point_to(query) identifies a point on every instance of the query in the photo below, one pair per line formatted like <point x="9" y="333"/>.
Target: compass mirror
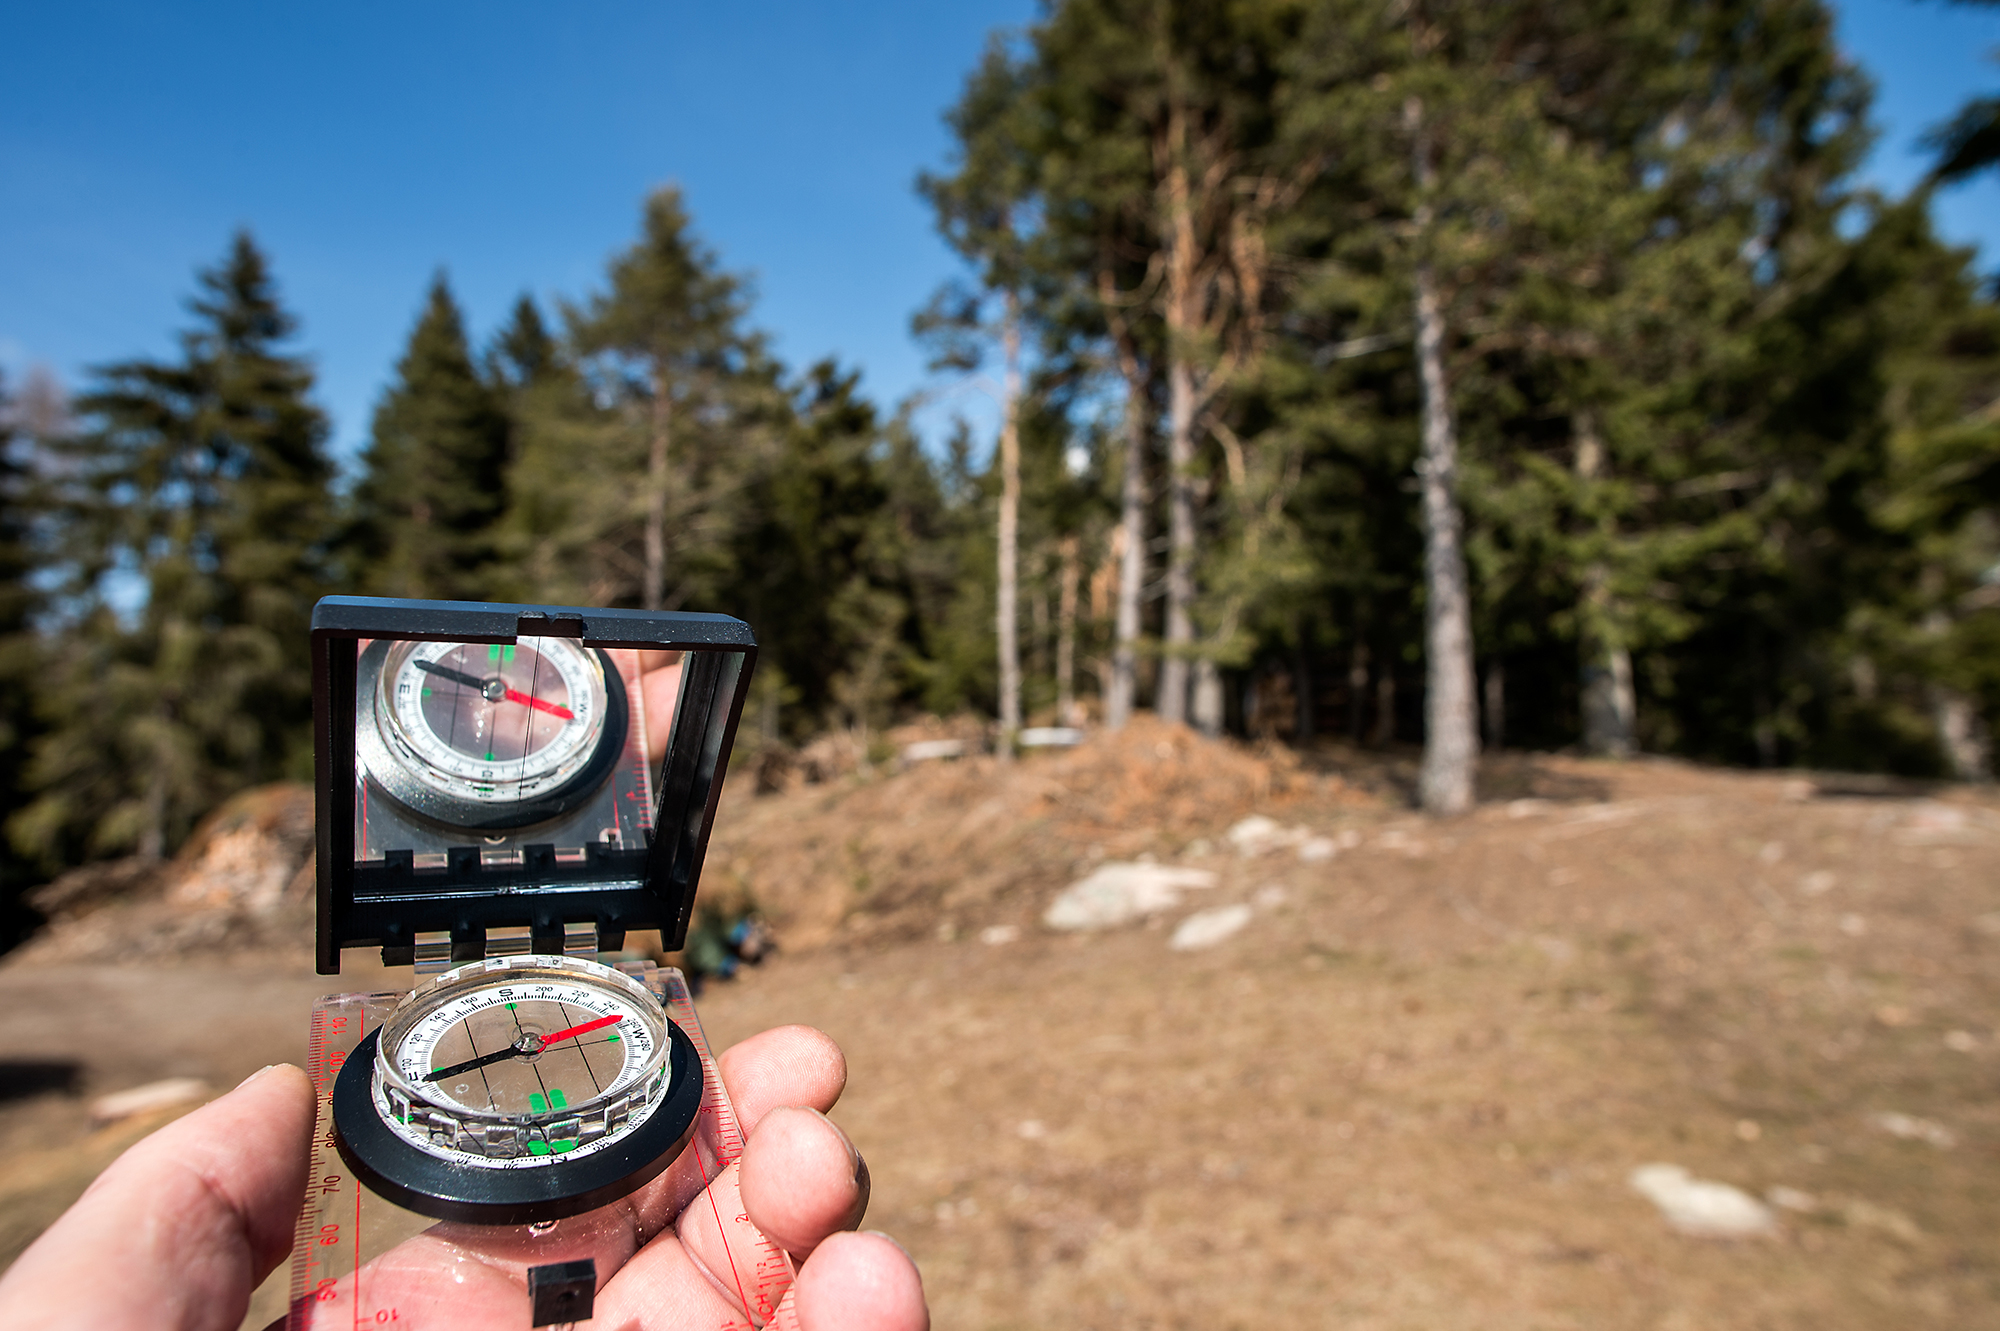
<point x="512" y="778"/>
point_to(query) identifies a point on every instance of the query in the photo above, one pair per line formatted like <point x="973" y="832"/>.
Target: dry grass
<point x="1408" y="1094"/>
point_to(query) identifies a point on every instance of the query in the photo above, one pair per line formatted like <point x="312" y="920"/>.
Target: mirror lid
<point x="388" y="906"/>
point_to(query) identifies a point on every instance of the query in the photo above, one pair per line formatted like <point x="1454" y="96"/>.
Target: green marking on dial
<point x="557" y="1098"/>
<point x="537" y="1103"/>
<point x="537" y="1147"/>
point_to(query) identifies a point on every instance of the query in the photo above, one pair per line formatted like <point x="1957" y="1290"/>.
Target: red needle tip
<point x="515" y="695"/>
<point x="584" y="1029"/>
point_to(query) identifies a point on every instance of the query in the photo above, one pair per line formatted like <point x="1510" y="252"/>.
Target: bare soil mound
<point x="243" y="881"/>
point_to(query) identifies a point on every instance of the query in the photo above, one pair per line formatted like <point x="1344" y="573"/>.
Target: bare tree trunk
<point x="1205" y="710"/>
<point x="1066" y="633"/>
<point x="1609" y="704"/>
<point x="1495" y="712"/>
<point x="153" y="836"/>
<point x="1451" y="737"/>
<point x="1967" y="749"/>
<point x="1357" y="685"/>
<point x="1383" y="731"/>
<point x="1967" y="752"/>
<point x="1304" y="724"/>
<point x="1008" y="612"/>
<point x="1124" y="692"/>
<point x="1172" y="703"/>
<point x="654" y="591"/>
<point x="1182" y="319"/>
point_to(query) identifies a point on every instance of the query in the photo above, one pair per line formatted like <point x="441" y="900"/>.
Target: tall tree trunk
<point x="1610" y="706"/>
<point x="1383" y="732"/>
<point x="654" y="593"/>
<point x="1066" y="632"/>
<point x="1302" y="690"/>
<point x="1495" y="711"/>
<point x="1123" y="695"/>
<point x="1451" y="737"/>
<point x="1182" y="321"/>
<point x="1008" y="611"/>
<point x="1205" y="707"/>
<point x="1967" y="753"/>
<point x="1357" y="685"/>
<point x="1963" y="741"/>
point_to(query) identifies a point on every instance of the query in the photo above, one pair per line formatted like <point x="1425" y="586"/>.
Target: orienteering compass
<point x="517" y="1090"/>
<point x="494" y="810"/>
<point x="486" y="735"/>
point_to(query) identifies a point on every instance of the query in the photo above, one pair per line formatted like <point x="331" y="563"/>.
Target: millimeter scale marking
<point x="772" y="1274"/>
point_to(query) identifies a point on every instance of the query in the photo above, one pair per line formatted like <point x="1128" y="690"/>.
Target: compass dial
<point x="519" y="1086"/>
<point x="488" y="734"/>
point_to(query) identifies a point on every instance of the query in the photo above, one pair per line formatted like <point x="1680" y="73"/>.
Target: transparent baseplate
<point x="347" y="1235"/>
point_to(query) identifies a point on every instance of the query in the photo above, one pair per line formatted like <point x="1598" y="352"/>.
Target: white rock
<point x="1050" y="737"/>
<point x="1317" y="848"/>
<point x="1701" y="1207"/>
<point x="1206" y="928"/>
<point x="1912" y="1129"/>
<point x="999" y="934"/>
<point x="145" y="1099"/>
<point x="1270" y="897"/>
<point x="927" y="749"/>
<point x="1118" y="893"/>
<point x="1256" y="834"/>
<point x="1816" y="883"/>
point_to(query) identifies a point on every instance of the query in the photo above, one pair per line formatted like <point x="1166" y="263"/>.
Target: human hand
<point x="176" y="1234"/>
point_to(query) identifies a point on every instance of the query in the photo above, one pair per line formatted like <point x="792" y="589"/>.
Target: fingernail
<point x="853" y="1152"/>
<point x="253" y="1076"/>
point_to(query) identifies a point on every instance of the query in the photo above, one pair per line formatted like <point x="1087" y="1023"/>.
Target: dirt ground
<point x="1409" y="1093"/>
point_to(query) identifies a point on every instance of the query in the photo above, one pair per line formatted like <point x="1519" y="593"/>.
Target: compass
<point x="494" y="811"/>
<point x="516" y="1090"/>
<point x="488" y="735"/>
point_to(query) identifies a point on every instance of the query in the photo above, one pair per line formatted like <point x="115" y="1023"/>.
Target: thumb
<point x="182" y="1227"/>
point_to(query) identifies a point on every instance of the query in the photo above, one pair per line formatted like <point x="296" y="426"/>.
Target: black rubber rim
<point x="421" y="1182"/>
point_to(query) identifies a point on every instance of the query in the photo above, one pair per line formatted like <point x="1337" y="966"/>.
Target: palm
<point x="194" y="1216"/>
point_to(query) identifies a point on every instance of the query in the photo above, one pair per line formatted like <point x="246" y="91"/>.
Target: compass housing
<point x="421" y="853"/>
<point x="505" y="1144"/>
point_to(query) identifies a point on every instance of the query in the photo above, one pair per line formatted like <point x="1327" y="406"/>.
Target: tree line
<point x="1428" y="371"/>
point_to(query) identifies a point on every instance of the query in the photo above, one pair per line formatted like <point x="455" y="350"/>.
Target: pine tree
<point x="690" y="390"/>
<point x="433" y="485"/>
<point x="194" y="521"/>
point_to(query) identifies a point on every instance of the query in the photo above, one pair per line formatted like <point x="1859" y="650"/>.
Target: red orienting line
<point x="357" y="1257"/>
<point x="716" y="1210"/>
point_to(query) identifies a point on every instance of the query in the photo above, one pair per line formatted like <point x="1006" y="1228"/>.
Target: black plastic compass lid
<point x="612" y="837"/>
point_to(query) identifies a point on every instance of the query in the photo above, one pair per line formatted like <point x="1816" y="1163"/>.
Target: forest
<point x="1456" y="373"/>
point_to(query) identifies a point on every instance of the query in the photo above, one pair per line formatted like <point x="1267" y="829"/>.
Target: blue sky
<point x="367" y="145"/>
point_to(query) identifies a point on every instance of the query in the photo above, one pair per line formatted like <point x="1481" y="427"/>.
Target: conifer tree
<point x="665" y="347"/>
<point x="197" y="487"/>
<point x="433" y="485"/>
